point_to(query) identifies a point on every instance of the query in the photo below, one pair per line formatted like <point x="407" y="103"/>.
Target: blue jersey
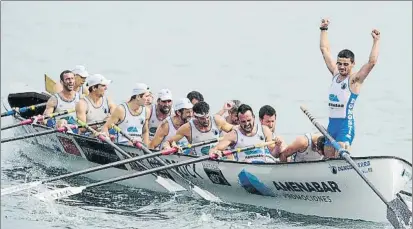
<point x="341" y="105"/>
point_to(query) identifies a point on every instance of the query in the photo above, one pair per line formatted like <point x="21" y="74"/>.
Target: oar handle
<point x="22" y="109"/>
<point x="60" y="129"/>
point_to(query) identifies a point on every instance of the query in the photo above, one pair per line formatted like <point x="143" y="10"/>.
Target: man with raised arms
<point x="344" y="89"/>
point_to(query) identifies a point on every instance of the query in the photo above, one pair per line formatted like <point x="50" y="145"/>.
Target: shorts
<point x="342" y="130"/>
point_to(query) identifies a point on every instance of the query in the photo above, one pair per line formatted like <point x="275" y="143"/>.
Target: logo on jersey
<point x="132" y="129"/>
<point x="333" y="98"/>
<point x="343" y="86"/>
<point x="152" y="130"/>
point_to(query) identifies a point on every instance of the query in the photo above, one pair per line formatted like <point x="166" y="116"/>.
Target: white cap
<point x="97" y="79"/>
<point x="165" y="94"/>
<point x="182" y="103"/>
<point x="140" y="88"/>
<point x="80" y="70"/>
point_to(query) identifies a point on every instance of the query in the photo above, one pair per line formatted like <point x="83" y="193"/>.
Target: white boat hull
<point x="324" y="188"/>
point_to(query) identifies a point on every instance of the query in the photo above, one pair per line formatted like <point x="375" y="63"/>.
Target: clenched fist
<point x="375" y="34"/>
<point x="324" y="23"/>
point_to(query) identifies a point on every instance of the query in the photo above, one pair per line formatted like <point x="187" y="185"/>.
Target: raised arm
<point x="50" y="105"/>
<point x="325" y="47"/>
<point x="223" y="124"/>
<point x="374" y="55"/>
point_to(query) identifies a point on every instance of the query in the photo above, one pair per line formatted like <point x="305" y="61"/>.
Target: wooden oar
<point x="69" y="191"/>
<point x="395" y="208"/>
<point x="203" y="193"/>
<point x="26" y="186"/>
<point x="38" y="118"/>
<point x="51" y="131"/>
<point x="167" y="183"/>
<point x="22" y="110"/>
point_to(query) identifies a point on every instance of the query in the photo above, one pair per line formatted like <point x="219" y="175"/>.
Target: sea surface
<point x="257" y="52"/>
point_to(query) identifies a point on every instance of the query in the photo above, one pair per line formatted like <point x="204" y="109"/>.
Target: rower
<point x="195" y="97"/>
<point x="268" y="117"/>
<point x="308" y="147"/>
<point x="247" y="134"/>
<point x="132" y="117"/>
<point x="64" y="100"/>
<point x="230" y="108"/>
<point x="95" y="106"/>
<point x="168" y="128"/>
<point x="160" y="111"/>
<point x="200" y="128"/>
<point x="80" y="78"/>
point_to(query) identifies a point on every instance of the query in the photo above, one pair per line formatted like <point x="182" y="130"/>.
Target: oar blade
<point x="18" y="188"/>
<point x="169" y="185"/>
<point x="59" y="193"/>
<point x="399" y="211"/>
<point x="206" y="195"/>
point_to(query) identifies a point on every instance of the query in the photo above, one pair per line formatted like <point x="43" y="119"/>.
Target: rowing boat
<point x="322" y="188"/>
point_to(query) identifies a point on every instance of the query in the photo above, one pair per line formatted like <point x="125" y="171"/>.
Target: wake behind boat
<point x="322" y="188"/>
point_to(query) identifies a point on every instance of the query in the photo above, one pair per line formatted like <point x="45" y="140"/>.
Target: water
<point x="258" y="52"/>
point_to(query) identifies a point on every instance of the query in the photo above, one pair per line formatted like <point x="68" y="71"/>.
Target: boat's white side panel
<point x="325" y="188"/>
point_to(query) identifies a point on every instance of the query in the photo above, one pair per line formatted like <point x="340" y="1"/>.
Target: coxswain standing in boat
<point x="80" y="78"/>
<point x="344" y="90"/>
<point x="160" y="111"/>
<point x="64" y="100"/>
<point x="168" y="128"/>
<point x="195" y="97"/>
<point x="201" y="127"/>
<point x="230" y="108"/>
<point x="308" y="147"/>
<point x="132" y="117"/>
<point x="249" y="133"/>
<point x="96" y="106"/>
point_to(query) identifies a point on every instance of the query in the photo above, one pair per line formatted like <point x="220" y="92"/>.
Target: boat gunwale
<point x="240" y="162"/>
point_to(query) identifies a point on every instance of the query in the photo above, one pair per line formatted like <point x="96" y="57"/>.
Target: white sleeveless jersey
<point x="154" y="122"/>
<point x="96" y="113"/>
<point x="65" y="105"/>
<point x="257" y="155"/>
<point x="308" y="154"/>
<point x="341" y="99"/>
<point x="172" y="132"/>
<point x="132" y="124"/>
<point x="198" y="136"/>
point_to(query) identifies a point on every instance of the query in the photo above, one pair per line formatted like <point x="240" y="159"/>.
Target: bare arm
<point x="223" y="144"/>
<point x="160" y="134"/>
<point x="223" y="124"/>
<point x="112" y="105"/>
<point x="145" y="131"/>
<point x="279" y="144"/>
<point x="298" y="145"/>
<point x="183" y="131"/>
<point x="50" y="105"/>
<point x="114" y="118"/>
<point x="325" y="49"/>
<point x="81" y="108"/>
<point x="374" y="55"/>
